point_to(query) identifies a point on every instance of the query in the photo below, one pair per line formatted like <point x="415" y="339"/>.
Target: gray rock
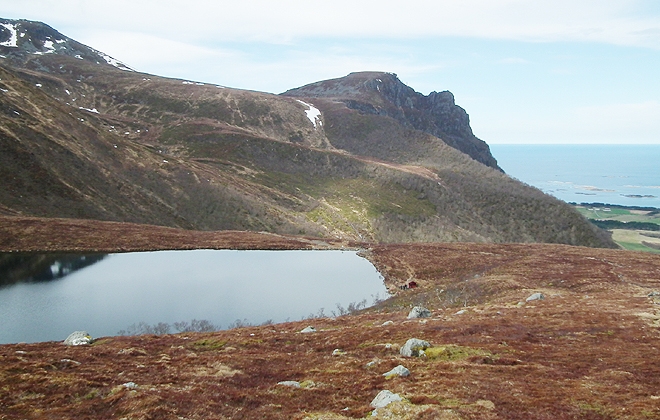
<point x="397" y="371"/>
<point x="384" y="398"/>
<point x="419" y="312"/>
<point x="308" y="330"/>
<point x="294" y="384"/>
<point x="130" y="385"/>
<point x="78" y="338"/>
<point x="414" y="347"/>
<point x="535" y="296"/>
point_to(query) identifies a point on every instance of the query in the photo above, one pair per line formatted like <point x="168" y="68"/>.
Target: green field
<point x="637" y="230"/>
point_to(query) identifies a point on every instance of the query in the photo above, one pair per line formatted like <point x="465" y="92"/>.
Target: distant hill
<point x="362" y="157"/>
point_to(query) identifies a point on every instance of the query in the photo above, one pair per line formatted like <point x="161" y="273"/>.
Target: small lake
<point x="46" y="297"/>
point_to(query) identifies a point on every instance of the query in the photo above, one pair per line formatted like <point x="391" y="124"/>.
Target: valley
<point x="530" y="310"/>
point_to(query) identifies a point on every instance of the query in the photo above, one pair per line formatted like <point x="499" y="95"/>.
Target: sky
<point x="526" y="71"/>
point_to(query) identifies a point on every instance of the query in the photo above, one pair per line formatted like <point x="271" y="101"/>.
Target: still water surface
<point x="170" y="286"/>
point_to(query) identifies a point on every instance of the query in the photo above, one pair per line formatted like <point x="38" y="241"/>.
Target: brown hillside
<point x="83" y="139"/>
<point x="585" y="351"/>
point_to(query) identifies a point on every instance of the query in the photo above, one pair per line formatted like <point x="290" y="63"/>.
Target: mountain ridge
<point x="82" y="138"/>
<point x="436" y="113"/>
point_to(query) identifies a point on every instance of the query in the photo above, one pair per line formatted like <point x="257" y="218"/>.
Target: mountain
<point x="379" y="93"/>
<point x="362" y="157"/>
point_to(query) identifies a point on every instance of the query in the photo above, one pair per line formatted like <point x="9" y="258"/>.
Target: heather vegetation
<point x="581" y="352"/>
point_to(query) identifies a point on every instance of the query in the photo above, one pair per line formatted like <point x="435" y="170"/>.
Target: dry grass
<point x="586" y="351"/>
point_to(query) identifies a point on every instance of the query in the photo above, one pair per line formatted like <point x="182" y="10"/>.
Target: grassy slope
<point x="168" y="152"/>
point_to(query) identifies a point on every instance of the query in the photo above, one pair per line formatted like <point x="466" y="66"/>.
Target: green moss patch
<point x="452" y="353"/>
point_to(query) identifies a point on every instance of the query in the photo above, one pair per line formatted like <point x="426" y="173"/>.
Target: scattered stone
<point x="384" y="398"/>
<point x="419" y="312"/>
<point x="338" y="352"/>
<point x="414" y="347"/>
<point x="397" y="371"/>
<point x="294" y="384"/>
<point x="78" y="338"/>
<point x="461" y="312"/>
<point x="371" y="364"/>
<point x="70" y="362"/>
<point x="21" y="352"/>
<point x="309" y="329"/>
<point x="130" y="385"/>
<point x="386" y="323"/>
<point x="487" y="404"/>
<point x="535" y="296"/>
<point x="653" y="294"/>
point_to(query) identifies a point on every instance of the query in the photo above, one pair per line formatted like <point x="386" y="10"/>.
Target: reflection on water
<point x="30" y="267"/>
<point x="105" y="294"/>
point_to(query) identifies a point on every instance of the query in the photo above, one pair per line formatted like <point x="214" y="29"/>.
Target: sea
<point x="627" y="175"/>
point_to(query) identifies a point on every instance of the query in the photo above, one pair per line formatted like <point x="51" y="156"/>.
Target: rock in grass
<point x="397" y="371"/>
<point x="419" y="312"/>
<point x="130" y="385"/>
<point x="308" y="330"/>
<point x="384" y="398"/>
<point x="414" y="347"/>
<point x="293" y="384"/>
<point x="535" y="296"/>
<point x="78" y="338"/>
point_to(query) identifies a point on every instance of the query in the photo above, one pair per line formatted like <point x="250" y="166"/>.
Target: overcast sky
<point x="527" y="71"/>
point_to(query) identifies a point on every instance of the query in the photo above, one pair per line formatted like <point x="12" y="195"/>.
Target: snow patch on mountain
<point x="13" y="39"/>
<point x="313" y="114"/>
<point x="115" y="62"/>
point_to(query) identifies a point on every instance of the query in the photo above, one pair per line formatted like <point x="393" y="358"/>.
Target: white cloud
<point x="608" y="21"/>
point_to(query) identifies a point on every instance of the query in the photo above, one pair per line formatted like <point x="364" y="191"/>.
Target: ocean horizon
<point x="627" y="175"/>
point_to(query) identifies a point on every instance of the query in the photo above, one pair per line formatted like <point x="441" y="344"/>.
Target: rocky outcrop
<point x="78" y="338"/>
<point x="384" y="94"/>
<point x="419" y="312"/>
<point x="414" y="347"/>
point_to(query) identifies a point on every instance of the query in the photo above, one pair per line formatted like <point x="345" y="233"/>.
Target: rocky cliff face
<point x="384" y="94"/>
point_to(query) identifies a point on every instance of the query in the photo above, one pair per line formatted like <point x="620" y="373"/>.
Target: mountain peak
<point x="353" y="85"/>
<point x="23" y="40"/>
<point x="382" y="93"/>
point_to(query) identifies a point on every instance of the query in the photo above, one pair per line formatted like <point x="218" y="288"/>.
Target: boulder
<point x="308" y="330"/>
<point x="414" y="347"/>
<point x="384" y="398"/>
<point x="397" y="371"/>
<point x="130" y="385"/>
<point x="294" y="384"/>
<point x="535" y="296"/>
<point x="78" y="338"/>
<point x="419" y="312"/>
